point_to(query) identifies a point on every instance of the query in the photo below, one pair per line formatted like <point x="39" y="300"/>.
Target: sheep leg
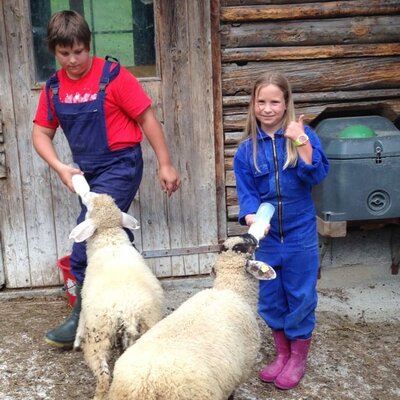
<point x="232" y="396"/>
<point x="130" y="335"/>
<point x="80" y="332"/>
<point x="97" y="352"/>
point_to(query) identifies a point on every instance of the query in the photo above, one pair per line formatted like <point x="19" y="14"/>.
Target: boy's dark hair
<point x="67" y="28"/>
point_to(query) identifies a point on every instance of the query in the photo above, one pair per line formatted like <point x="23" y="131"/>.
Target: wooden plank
<point x="231" y="196"/>
<point x="66" y="206"/>
<point x="331" y="228"/>
<point x="309" y="32"/>
<point x="230" y="151"/>
<point x="225" y="3"/>
<point x="233" y="212"/>
<point x="314" y="10"/>
<point x="309" y="52"/>
<point x="12" y="225"/>
<point x="203" y="143"/>
<point x="152" y="205"/>
<point x="228" y="162"/>
<point x="388" y="108"/>
<point x="234" y="137"/>
<point x="177" y="80"/>
<point x="184" y="95"/>
<point x="35" y="174"/>
<point x="318" y="75"/>
<point x="153" y="87"/>
<point x="2" y="272"/>
<point x="234" y="228"/>
<point x="243" y="101"/>
<point x="218" y="128"/>
<point x="230" y="178"/>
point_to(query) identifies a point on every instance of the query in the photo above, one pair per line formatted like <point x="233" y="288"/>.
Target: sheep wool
<point x="121" y="298"/>
<point x="203" y="350"/>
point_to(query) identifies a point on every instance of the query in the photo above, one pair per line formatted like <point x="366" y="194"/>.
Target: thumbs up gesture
<point x="295" y="128"/>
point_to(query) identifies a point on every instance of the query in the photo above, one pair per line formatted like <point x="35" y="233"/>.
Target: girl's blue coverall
<point x="291" y="247"/>
<point x="117" y="173"/>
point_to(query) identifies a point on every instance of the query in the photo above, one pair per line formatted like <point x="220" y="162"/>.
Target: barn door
<point x="179" y="235"/>
<point x="14" y="251"/>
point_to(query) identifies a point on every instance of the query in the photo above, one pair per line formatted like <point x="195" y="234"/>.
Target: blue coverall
<point x="117" y="173"/>
<point x="288" y="302"/>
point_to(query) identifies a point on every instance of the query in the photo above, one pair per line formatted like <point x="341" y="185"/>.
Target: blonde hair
<point x="278" y="79"/>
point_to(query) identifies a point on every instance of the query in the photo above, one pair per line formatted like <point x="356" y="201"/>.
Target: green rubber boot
<point x="64" y="335"/>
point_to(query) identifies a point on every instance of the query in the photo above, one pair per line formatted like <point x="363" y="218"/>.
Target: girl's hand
<point x="251" y="218"/>
<point x="295" y="128"/>
<point x="65" y="173"/>
<point x="169" y="179"/>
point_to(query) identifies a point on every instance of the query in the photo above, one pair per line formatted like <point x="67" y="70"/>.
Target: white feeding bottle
<point x="79" y="183"/>
<point x="263" y="218"/>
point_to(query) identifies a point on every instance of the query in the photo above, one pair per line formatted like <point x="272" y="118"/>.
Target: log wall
<point x="341" y="57"/>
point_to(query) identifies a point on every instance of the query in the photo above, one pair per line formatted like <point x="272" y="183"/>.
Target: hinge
<point x="186" y="251"/>
<point x="3" y="170"/>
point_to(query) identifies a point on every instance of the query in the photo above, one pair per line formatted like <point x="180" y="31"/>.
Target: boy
<point x="103" y="111"/>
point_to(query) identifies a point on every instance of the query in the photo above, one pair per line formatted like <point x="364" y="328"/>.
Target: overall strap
<point x="54" y="84"/>
<point x="108" y="75"/>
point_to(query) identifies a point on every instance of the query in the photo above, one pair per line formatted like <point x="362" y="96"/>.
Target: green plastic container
<point x="357" y="131"/>
<point x="363" y="179"/>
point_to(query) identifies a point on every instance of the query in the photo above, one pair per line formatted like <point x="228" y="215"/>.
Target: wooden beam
<point x="311" y="32"/>
<point x="331" y="9"/>
<point x="309" y="52"/>
<point x="388" y="108"/>
<point x="218" y="127"/>
<point x="243" y="101"/>
<point x="366" y="73"/>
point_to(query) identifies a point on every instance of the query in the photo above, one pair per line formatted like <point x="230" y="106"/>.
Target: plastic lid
<point x="356" y="132"/>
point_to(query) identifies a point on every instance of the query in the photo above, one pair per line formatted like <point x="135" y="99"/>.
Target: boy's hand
<point x="65" y="173"/>
<point x="169" y="179"/>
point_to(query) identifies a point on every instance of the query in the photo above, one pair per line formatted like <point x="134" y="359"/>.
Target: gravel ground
<point x="355" y="352"/>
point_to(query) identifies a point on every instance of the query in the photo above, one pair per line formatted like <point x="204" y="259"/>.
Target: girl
<point x="279" y="163"/>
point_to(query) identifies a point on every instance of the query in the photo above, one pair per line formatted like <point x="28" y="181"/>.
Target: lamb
<point x="207" y="347"/>
<point x="121" y="298"/>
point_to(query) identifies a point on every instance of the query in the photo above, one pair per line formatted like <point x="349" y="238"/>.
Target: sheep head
<point x="102" y="214"/>
<point x="237" y="253"/>
<point x="245" y="244"/>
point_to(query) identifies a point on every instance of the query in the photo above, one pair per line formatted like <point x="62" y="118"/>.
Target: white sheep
<point x="207" y="347"/>
<point x="121" y="298"/>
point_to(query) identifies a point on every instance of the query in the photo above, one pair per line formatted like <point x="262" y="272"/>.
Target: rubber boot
<point x="295" y="368"/>
<point x="64" y="335"/>
<point x="282" y="346"/>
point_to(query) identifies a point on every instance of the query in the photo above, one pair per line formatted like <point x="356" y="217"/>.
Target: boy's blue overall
<point x="117" y="173"/>
<point x="291" y="247"/>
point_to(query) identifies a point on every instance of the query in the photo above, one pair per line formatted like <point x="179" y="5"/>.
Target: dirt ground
<point x="353" y="356"/>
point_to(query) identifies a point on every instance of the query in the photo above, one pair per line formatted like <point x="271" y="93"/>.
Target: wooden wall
<point x="341" y="57"/>
<point x="178" y="235"/>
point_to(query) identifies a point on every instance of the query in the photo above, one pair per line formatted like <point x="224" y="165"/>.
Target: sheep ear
<point x="129" y="222"/>
<point x="83" y="231"/>
<point x="260" y="270"/>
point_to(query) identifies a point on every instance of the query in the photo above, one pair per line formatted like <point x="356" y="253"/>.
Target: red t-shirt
<point x="125" y="100"/>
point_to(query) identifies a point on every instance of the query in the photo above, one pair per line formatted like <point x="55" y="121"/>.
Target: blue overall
<point x="117" y="173"/>
<point x="287" y="303"/>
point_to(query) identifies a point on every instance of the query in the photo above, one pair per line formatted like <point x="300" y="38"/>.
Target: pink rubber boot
<point x="282" y="346"/>
<point x="294" y="369"/>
